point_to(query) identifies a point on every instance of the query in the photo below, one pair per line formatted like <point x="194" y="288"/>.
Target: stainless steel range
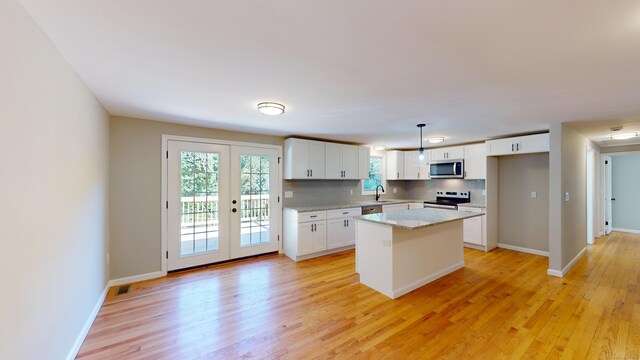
<point x="448" y="199"/>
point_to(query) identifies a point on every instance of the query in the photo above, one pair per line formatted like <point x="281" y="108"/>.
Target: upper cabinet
<point x="341" y="161"/>
<point x="364" y="153"/>
<point x="395" y="165"/>
<point x="518" y="145"/>
<point x="310" y="159"/>
<point x="449" y="153"/>
<point x="475" y="162"/>
<point x="414" y="167"/>
<point x="304" y="159"/>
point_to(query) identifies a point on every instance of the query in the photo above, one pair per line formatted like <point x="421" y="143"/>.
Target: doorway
<point x="222" y="202"/>
<point x="608" y="201"/>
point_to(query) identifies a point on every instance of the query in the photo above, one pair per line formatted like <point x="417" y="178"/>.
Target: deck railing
<point x="197" y="210"/>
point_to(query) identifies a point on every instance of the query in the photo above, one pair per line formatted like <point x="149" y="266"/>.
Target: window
<point x="375" y="175"/>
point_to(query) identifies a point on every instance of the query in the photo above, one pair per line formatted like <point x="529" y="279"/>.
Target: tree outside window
<point x="375" y="175"/>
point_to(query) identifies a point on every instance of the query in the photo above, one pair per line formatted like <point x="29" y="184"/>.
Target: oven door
<point x="447" y="169"/>
<point x="440" y="206"/>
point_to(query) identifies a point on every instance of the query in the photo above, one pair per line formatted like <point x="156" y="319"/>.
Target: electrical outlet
<point x="566" y="196"/>
<point x="351" y="191"/>
<point x="288" y="194"/>
<point x="395" y="190"/>
<point x="534" y="194"/>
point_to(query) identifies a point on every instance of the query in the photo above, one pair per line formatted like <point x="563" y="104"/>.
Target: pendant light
<point x="421" y="150"/>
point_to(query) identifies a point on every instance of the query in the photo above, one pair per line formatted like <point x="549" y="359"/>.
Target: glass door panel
<point x="255" y="188"/>
<point x="198" y="194"/>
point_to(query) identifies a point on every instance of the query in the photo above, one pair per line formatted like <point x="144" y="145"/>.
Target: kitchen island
<point x="398" y="252"/>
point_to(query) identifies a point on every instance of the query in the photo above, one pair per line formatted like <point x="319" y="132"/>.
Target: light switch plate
<point x="534" y="194"/>
<point x="395" y="190"/>
<point x="288" y="194"/>
<point x="566" y="196"/>
<point x="351" y="191"/>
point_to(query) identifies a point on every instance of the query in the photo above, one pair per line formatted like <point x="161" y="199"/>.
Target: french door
<point x="222" y="202"/>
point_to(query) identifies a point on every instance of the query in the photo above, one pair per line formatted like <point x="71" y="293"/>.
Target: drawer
<point x="343" y="213"/>
<point x="312" y="216"/>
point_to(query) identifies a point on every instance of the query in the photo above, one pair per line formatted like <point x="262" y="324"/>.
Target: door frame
<point x="164" y="241"/>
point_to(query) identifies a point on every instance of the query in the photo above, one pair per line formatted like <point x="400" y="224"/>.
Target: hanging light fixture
<point x="421" y="150"/>
<point x="271" y="108"/>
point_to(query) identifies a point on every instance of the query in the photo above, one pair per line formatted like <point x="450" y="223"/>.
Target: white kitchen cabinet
<point x="341" y="161"/>
<point x="416" y="206"/>
<point x="341" y="227"/>
<point x="317" y="233"/>
<point x="394" y="207"/>
<point x="304" y="159"/>
<point x="395" y="165"/>
<point x="475" y="161"/>
<point x="448" y="153"/>
<point x="475" y="229"/>
<point x="364" y="154"/>
<point x="414" y="168"/>
<point x="518" y="145"/>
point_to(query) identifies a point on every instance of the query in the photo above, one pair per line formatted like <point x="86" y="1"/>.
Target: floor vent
<point x="123" y="290"/>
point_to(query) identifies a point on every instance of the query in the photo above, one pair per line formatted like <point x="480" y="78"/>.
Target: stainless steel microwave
<point x="447" y="169"/>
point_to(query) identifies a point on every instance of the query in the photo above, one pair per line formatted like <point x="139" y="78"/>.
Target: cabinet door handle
<point x="347" y="222"/>
<point x="313" y="216"/>
<point x="307" y="172"/>
<point x="512" y="147"/>
<point x="518" y="147"/>
<point x="398" y="175"/>
<point x="344" y="223"/>
<point x="311" y="171"/>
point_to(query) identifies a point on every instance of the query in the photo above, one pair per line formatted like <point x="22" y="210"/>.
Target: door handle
<point x="613" y="199"/>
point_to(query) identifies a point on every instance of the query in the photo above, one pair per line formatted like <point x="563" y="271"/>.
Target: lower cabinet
<point x="416" y="206"/>
<point x="475" y="229"/>
<point x="312" y="237"/>
<point x="312" y="234"/>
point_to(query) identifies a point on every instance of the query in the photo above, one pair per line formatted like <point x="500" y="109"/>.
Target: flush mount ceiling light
<point x="435" y="140"/>
<point x="379" y="147"/>
<point x="271" y="108"/>
<point x="421" y="150"/>
<point x="624" y="136"/>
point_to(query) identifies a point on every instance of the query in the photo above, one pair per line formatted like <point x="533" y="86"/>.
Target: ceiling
<point x="364" y="71"/>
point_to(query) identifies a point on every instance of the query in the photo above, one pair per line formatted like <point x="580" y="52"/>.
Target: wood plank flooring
<point x="502" y="305"/>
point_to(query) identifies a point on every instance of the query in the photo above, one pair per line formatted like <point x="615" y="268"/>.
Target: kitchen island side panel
<point x="374" y="256"/>
<point x="423" y="255"/>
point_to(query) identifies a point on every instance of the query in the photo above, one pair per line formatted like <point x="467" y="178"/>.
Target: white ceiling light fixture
<point x="271" y="108"/>
<point x="435" y="140"/>
<point x="624" y="136"/>
<point x="379" y="147"/>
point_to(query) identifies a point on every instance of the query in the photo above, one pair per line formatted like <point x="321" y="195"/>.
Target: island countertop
<point x="418" y="218"/>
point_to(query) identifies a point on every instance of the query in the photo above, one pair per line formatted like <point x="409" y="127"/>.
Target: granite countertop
<point x="475" y="205"/>
<point x="354" y="204"/>
<point x="418" y="218"/>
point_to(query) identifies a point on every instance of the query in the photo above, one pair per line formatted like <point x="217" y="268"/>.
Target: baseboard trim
<point x="424" y="281"/>
<point x="524" y="250"/>
<point x="135" y="278"/>
<point x="475" y="247"/>
<point x="87" y="325"/>
<point x="627" y="230"/>
<point x="566" y="269"/>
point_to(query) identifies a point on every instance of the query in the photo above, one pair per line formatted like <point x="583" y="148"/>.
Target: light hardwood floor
<point x="502" y="305"/>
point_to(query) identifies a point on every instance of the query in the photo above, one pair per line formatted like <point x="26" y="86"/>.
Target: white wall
<point x="624" y="178"/>
<point x="54" y="194"/>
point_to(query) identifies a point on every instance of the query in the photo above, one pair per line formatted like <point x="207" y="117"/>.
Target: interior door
<point x="198" y="208"/>
<point x="255" y="205"/>
<point x="608" y="196"/>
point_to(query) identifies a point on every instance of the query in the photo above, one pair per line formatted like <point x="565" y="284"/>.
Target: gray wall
<point x="567" y="219"/>
<point x="135" y="188"/>
<point x="54" y="194"/>
<point x="524" y="221"/>
<point x="426" y="189"/>
<point x="625" y="172"/>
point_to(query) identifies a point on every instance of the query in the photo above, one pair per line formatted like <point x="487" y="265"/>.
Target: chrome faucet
<point x="378" y="195"/>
